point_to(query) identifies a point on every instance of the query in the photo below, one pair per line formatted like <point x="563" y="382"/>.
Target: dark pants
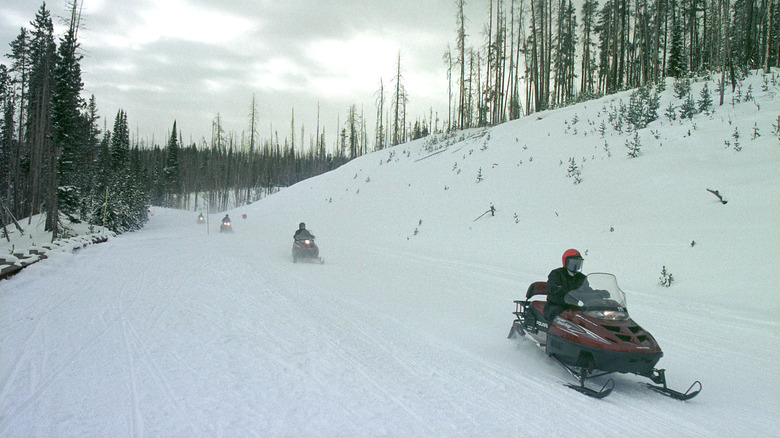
<point x="551" y="311"/>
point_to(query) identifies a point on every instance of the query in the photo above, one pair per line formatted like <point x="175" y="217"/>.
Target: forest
<point x="58" y="158"/>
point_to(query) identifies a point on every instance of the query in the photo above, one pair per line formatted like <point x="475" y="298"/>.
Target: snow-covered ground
<point x="171" y="331"/>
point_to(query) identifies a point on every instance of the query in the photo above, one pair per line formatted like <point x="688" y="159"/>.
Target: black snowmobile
<point x="594" y="337"/>
<point x="226" y="226"/>
<point x="304" y="248"/>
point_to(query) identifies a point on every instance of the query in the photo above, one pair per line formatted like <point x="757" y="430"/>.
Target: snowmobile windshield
<point x="599" y="292"/>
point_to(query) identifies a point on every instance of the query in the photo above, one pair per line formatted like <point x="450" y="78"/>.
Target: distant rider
<point x="302" y="232"/>
<point x="562" y="281"/>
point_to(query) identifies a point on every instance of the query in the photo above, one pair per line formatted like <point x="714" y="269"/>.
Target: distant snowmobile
<point x="201" y="219"/>
<point x="226" y="226"/>
<point x="594" y="337"/>
<point x="304" y="248"/>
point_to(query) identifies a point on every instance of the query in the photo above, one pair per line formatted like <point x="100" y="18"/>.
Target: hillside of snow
<point x="178" y="330"/>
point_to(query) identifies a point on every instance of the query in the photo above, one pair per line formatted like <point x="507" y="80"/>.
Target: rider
<point x="561" y="281"/>
<point x="302" y="232"/>
<point x="226" y="219"/>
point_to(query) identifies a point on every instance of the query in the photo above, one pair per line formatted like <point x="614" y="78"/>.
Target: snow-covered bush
<point x="574" y="171"/>
<point x="634" y="145"/>
<point x="666" y="278"/>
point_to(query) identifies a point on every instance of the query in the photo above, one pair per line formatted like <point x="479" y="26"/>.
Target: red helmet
<point x="572" y="253"/>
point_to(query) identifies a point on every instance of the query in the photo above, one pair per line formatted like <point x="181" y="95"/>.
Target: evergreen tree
<point x="171" y="170"/>
<point x="120" y="141"/>
<point x="634" y="145"/>
<point x="705" y="99"/>
<point x="20" y="67"/>
<point x="688" y="108"/>
<point x="6" y="132"/>
<point x="126" y="204"/>
<point x="677" y="61"/>
<point x="67" y="123"/>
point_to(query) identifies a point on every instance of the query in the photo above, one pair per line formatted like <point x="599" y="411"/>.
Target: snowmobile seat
<point x="536" y="288"/>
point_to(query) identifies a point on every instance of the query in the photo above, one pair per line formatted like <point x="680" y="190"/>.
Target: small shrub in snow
<point x="688" y="108"/>
<point x="479" y="175"/>
<point x="749" y="94"/>
<point x="671" y="112"/>
<point x="666" y="278"/>
<point x="661" y="85"/>
<point x="705" y="99"/>
<point x="642" y="108"/>
<point x="735" y="136"/>
<point x="606" y="148"/>
<point x="682" y="87"/>
<point x="574" y="171"/>
<point x="756" y="132"/>
<point x="634" y="145"/>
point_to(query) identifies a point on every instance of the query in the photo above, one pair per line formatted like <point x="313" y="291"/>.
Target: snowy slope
<point x="402" y="332"/>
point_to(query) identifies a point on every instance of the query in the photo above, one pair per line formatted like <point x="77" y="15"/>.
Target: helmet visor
<point x="574" y="263"/>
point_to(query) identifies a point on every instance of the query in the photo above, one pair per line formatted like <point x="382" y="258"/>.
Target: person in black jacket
<point x="302" y="233"/>
<point x="561" y="281"/>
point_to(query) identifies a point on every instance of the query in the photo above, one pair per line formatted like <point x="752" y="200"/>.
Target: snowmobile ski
<point x="605" y="390"/>
<point x="682" y="396"/>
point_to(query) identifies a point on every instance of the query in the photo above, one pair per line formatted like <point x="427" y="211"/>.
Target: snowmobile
<point x="201" y="220"/>
<point x="594" y="337"/>
<point x="226" y="226"/>
<point x="304" y="248"/>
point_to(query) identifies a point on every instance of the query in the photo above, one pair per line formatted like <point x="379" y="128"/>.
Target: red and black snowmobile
<point x="594" y="337"/>
<point x="304" y="248"/>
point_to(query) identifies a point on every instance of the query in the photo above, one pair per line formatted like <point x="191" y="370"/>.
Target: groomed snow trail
<point x="172" y="332"/>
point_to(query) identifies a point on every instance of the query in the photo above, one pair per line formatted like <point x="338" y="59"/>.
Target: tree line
<point x="546" y="52"/>
<point x="55" y="158"/>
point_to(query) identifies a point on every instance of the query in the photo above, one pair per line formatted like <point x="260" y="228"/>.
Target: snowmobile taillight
<point x="609" y="315"/>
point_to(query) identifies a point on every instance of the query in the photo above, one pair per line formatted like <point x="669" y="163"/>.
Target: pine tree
<point x="574" y="171"/>
<point x="67" y="123"/>
<point x="677" y="66"/>
<point x="705" y="99"/>
<point x="6" y="131"/>
<point x="120" y="141"/>
<point x="634" y="145"/>
<point x="171" y="169"/>
<point x="688" y="108"/>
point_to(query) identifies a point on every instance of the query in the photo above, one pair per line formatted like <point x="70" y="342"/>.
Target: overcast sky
<point x="189" y="60"/>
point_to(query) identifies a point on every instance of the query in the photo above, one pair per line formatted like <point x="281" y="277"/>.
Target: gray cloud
<point x="189" y="60"/>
